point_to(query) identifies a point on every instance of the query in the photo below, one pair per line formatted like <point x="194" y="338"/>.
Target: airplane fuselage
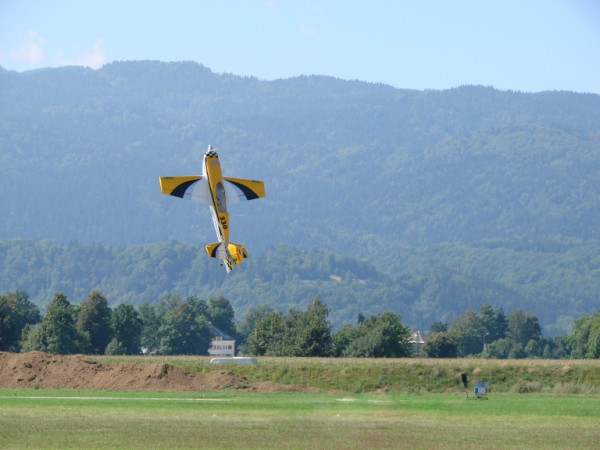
<point x="211" y="169"/>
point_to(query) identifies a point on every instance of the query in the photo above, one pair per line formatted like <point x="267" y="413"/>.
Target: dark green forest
<point x="425" y="203"/>
<point x="185" y="326"/>
<point x="556" y="282"/>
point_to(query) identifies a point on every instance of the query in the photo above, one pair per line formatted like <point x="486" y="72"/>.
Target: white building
<point x="222" y="344"/>
<point x="417" y="339"/>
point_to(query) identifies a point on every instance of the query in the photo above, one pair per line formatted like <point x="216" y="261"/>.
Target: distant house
<point x="222" y="344"/>
<point x="417" y="339"/>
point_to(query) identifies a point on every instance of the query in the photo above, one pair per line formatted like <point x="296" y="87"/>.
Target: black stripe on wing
<point x="248" y="193"/>
<point x="180" y="190"/>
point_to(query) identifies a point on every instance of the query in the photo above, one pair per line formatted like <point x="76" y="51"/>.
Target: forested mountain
<point x="486" y="195"/>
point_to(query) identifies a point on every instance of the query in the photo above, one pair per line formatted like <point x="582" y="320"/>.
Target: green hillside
<point x="435" y="201"/>
<point x="349" y="166"/>
<point x="558" y="284"/>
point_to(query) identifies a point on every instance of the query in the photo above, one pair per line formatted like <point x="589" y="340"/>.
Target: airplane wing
<point x="189" y="187"/>
<point x="238" y="189"/>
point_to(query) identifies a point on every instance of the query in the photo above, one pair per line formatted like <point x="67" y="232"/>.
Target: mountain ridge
<point x="356" y="169"/>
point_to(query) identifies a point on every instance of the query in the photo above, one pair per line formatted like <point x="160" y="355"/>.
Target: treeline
<point x="556" y="281"/>
<point x="174" y="326"/>
<point x="180" y="325"/>
<point x="494" y="335"/>
<point x="309" y="333"/>
<point x="186" y="326"/>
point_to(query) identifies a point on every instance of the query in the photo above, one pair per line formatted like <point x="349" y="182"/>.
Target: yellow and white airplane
<point x="217" y="191"/>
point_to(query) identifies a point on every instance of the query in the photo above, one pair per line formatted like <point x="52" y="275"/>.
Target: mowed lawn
<point x="97" y="419"/>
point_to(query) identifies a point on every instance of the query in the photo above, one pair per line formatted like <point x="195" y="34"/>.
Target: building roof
<point x="219" y="332"/>
<point x="417" y="338"/>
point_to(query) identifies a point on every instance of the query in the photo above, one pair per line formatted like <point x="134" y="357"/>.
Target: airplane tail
<point x="231" y="253"/>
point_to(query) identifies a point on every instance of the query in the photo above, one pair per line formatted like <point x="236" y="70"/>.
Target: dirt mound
<point x="42" y="370"/>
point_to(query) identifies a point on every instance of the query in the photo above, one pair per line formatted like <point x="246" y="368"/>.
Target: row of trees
<point x="186" y="326"/>
<point x="492" y="334"/>
<point x="309" y="333"/>
<point x="174" y="326"/>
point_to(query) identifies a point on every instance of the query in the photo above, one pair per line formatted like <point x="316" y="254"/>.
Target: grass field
<point x="417" y="375"/>
<point x="98" y="419"/>
<point x="342" y="403"/>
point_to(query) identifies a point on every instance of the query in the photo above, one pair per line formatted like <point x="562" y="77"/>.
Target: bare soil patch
<point x="43" y="370"/>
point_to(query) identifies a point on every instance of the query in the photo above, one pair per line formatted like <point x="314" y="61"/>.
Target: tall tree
<point x="494" y="321"/>
<point x="593" y="344"/>
<point x="381" y="336"/>
<point x="440" y="345"/>
<point x="199" y="306"/>
<point x="150" y="325"/>
<point x="16" y="311"/>
<point x="310" y="331"/>
<point x="94" y="319"/>
<point x="438" y="327"/>
<point x="343" y="337"/>
<point x="523" y="327"/>
<point x="268" y="335"/>
<point x="468" y="332"/>
<point x="57" y="333"/>
<point x="127" y="330"/>
<point x="584" y="340"/>
<point x="222" y="315"/>
<point x="183" y="333"/>
<point x="247" y="325"/>
<point x="166" y="303"/>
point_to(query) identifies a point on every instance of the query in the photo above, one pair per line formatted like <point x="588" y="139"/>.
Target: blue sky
<point x="525" y="45"/>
